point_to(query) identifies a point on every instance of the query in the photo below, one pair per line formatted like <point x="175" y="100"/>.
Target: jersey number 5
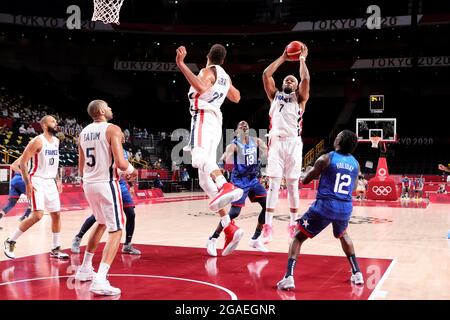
<point x="342" y="182"/>
<point x="90" y="155"/>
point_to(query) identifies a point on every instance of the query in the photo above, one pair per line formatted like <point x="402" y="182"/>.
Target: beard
<point x="52" y="131"/>
<point x="287" y="90"/>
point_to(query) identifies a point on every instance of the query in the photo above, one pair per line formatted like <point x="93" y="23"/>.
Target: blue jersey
<point x="127" y="199"/>
<point x="338" y="179"/>
<point x="245" y="160"/>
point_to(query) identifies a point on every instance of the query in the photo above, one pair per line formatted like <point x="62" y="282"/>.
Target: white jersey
<point x="44" y="164"/>
<point x="99" y="163"/>
<point x="285" y="115"/>
<point x="212" y="99"/>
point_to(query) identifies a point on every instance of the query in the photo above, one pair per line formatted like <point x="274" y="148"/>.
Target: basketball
<point x="294" y="49"/>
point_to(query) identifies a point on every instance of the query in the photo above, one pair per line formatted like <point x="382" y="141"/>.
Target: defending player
<point x="243" y="154"/>
<point x="285" y="142"/>
<point x="338" y="171"/>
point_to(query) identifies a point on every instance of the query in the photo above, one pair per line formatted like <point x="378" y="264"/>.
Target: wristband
<point x="302" y="58"/>
<point x="130" y="169"/>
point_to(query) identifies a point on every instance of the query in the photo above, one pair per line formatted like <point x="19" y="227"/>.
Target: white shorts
<point x="206" y="133"/>
<point x="285" y="157"/>
<point x="46" y="196"/>
<point x="105" y="200"/>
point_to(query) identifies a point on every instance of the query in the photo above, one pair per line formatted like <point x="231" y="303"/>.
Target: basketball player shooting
<point x="42" y="185"/>
<point x="285" y="142"/>
<point x="206" y="95"/>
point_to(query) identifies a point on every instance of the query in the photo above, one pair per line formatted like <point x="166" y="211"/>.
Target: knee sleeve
<point x="207" y="184"/>
<point x="11" y="203"/>
<point x="272" y="194"/>
<point x="294" y="199"/>
<point x="234" y="212"/>
<point x="203" y="161"/>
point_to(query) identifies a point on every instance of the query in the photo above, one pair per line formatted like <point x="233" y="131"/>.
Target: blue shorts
<point x="252" y="191"/>
<point x="127" y="199"/>
<point x="319" y="216"/>
<point x="17" y="186"/>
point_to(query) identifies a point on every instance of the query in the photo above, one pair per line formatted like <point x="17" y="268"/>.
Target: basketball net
<point x="375" y="141"/>
<point x="107" y="11"/>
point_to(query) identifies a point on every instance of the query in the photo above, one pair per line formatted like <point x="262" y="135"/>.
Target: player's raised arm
<point x="303" y="87"/>
<point x="268" y="80"/>
<point x="200" y="83"/>
<point x="443" y="168"/>
<point x="315" y="171"/>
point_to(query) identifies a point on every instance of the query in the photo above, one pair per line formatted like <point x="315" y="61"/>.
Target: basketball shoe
<point x="267" y="233"/>
<point x="211" y="247"/>
<point x="9" y="247"/>
<point x="82" y="275"/>
<point x="76" y="245"/>
<point x="57" y="253"/>
<point x="128" y="248"/>
<point x="227" y="194"/>
<point x="258" y="244"/>
<point x="286" y="283"/>
<point x="103" y="288"/>
<point x="233" y="234"/>
<point x="357" y="278"/>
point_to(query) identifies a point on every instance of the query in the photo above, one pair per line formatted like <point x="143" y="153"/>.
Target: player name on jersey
<point x="345" y="166"/>
<point x="91" y="136"/>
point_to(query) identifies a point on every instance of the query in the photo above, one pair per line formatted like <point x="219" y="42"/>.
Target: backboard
<point x="386" y="128"/>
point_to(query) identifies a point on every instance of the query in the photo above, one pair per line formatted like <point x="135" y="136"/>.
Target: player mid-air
<point x="285" y="142"/>
<point x="243" y="155"/>
<point x="338" y="171"/>
<point x="206" y="95"/>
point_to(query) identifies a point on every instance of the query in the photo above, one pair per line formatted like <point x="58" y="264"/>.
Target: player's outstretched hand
<point x="304" y="51"/>
<point x="181" y="54"/>
<point x="442" y="167"/>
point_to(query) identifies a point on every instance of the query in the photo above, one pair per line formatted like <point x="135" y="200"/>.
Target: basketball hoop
<point x="375" y="141"/>
<point x="107" y="11"/>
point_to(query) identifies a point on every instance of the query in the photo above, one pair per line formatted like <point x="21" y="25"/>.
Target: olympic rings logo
<point x="381" y="190"/>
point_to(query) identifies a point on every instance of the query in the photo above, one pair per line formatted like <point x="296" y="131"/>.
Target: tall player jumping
<point x="42" y="186"/>
<point x="100" y="157"/>
<point x="285" y="142"/>
<point x="338" y="171"/>
<point x="244" y="154"/>
<point x="206" y="95"/>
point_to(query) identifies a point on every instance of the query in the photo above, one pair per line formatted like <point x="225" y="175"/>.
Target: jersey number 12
<point x="342" y="181"/>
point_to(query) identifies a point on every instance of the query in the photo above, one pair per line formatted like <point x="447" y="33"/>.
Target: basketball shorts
<point x="206" y="133"/>
<point x="252" y="190"/>
<point x="105" y="200"/>
<point x="17" y="187"/>
<point x="127" y="199"/>
<point x="285" y="157"/>
<point x="45" y="197"/>
<point x="321" y="214"/>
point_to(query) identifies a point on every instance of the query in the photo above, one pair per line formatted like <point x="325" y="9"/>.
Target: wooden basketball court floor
<point x="403" y="252"/>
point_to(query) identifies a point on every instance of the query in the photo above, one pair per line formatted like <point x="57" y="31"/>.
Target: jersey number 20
<point x="342" y="181"/>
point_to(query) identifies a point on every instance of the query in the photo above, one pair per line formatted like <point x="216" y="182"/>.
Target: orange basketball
<point x="294" y="49"/>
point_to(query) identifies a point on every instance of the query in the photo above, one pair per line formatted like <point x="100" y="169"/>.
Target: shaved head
<point x="99" y="108"/>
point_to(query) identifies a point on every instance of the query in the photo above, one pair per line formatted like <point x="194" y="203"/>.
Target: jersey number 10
<point x="342" y="181"/>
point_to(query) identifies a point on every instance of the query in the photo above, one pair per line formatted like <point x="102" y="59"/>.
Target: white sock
<point x="225" y="221"/>
<point x="269" y="218"/>
<point x="16" y="235"/>
<point x="293" y="217"/>
<point x="87" y="261"/>
<point x="56" y="237"/>
<point x="220" y="181"/>
<point x="103" y="271"/>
